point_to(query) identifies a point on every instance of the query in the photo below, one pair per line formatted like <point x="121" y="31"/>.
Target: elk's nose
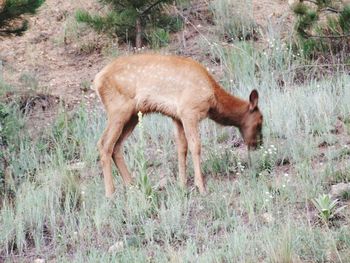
<point x="253" y="145"/>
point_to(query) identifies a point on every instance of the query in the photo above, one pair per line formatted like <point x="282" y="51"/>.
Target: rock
<point x="338" y="127"/>
<point x="39" y="260"/>
<point x="42" y="37"/>
<point x="76" y="166"/>
<point x="291" y="2"/>
<point x="331" y="256"/>
<point x="338" y="189"/>
<point x="117" y="247"/>
<point x="162" y="182"/>
<point x="267" y="218"/>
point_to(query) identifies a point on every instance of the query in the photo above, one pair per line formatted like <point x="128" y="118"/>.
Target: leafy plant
<point x="158" y="37"/>
<point x="327" y="208"/>
<point x="222" y="161"/>
<point x="143" y="182"/>
<point x="85" y="85"/>
<point x="268" y="160"/>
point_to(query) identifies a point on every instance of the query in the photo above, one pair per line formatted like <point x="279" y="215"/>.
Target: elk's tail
<point x="104" y="89"/>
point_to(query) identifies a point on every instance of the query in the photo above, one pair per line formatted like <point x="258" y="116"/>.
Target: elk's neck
<point x="228" y="109"/>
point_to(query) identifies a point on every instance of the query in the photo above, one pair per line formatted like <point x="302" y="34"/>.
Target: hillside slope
<point x="62" y="61"/>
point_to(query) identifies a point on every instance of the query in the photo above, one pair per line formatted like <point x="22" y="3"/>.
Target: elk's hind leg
<point x="118" y="157"/>
<point x="115" y="124"/>
<point x="181" y="143"/>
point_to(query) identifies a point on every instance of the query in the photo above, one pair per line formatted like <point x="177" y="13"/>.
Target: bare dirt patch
<point x="42" y="53"/>
<point x="268" y="11"/>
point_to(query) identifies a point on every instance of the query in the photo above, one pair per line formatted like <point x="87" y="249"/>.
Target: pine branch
<point x="310" y="1"/>
<point x="150" y="7"/>
<point x="339" y="36"/>
<point x="308" y="35"/>
<point x="330" y="9"/>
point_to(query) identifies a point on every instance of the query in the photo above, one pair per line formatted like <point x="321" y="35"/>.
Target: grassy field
<point x="52" y="195"/>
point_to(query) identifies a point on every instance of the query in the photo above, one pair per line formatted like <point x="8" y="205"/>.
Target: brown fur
<point x="177" y="87"/>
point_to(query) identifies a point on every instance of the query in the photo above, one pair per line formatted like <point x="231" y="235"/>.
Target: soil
<point x="43" y="54"/>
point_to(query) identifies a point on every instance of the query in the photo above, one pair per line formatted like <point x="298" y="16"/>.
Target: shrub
<point x="10" y="132"/>
<point x="133" y="20"/>
<point x="322" y="26"/>
<point x="11" y="21"/>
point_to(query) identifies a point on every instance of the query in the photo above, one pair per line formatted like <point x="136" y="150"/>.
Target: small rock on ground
<point x="117" y="247"/>
<point x="267" y="218"/>
<point x="338" y="189"/>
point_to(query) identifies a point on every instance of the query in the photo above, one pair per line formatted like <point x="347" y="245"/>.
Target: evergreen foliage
<point x="133" y="20"/>
<point x="322" y="26"/>
<point x="11" y="20"/>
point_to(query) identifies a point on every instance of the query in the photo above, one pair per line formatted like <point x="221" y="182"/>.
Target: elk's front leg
<point x="193" y="139"/>
<point x="181" y="143"/>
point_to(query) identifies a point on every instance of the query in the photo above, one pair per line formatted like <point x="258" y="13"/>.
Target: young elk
<point x="177" y="87"/>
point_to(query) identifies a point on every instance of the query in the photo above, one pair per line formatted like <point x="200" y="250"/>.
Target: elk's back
<point x="160" y="83"/>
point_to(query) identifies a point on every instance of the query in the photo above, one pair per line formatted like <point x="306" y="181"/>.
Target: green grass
<point x="233" y="19"/>
<point x="53" y="204"/>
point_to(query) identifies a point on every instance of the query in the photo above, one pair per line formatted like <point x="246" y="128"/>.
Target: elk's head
<point x="251" y="126"/>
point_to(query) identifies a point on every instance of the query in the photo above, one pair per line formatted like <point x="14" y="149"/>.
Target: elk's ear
<point x="253" y="100"/>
